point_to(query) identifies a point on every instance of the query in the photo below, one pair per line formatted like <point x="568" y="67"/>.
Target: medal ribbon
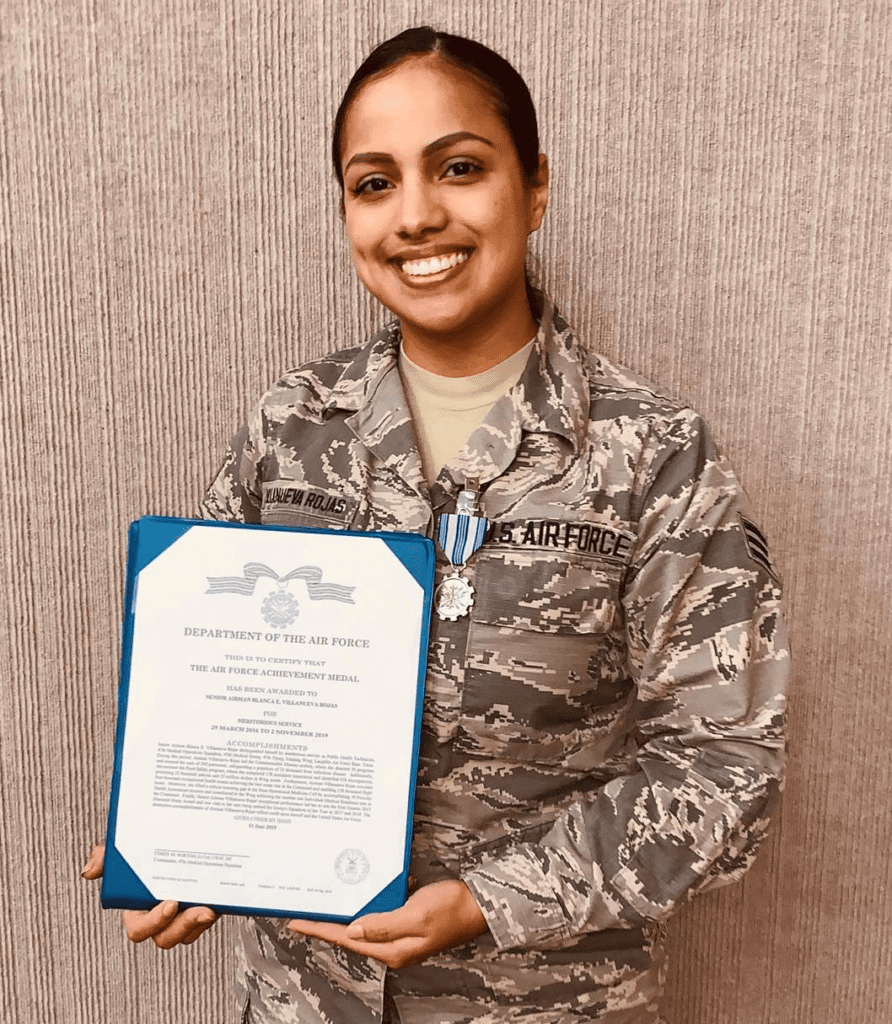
<point x="461" y="535"/>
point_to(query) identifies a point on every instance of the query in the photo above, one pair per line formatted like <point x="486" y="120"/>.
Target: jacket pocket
<point x="545" y="678"/>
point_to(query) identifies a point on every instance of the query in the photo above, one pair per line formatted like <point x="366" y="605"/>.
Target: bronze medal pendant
<point x="454" y="597"/>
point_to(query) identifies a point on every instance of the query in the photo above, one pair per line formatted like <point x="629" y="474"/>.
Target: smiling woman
<point x="438" y="210"/>
<point x="604" y="703"/>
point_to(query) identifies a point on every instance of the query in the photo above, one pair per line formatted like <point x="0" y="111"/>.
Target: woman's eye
<point x="461" y="168"/>
<point x="367" y="185"/>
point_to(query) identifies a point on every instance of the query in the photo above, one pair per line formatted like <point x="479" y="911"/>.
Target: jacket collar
<point x="358" y="386"/>
<point x="552" y="396"/>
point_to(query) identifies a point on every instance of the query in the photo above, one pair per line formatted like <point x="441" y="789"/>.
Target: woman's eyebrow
<point x="369" y="158"/>
<point x="429" y="149"/>
<point x="447" y="140"/>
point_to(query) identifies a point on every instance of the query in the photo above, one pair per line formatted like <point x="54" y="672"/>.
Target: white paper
<point x="267" y="752"/>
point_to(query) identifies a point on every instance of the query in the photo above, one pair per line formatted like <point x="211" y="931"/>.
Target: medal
<point x="459" y="533"/>
<point x="454" y="596"/>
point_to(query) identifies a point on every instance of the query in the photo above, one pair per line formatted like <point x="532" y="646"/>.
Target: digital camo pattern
<point x="602" y="736"/>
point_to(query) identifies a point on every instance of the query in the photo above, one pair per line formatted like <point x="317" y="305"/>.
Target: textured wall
<point x="169" y="241"/>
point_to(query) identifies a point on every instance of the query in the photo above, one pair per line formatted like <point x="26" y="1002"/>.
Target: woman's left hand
<point x="435" y="917"/>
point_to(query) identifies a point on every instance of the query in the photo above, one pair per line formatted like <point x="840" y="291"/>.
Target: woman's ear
<point x="539" y="193"/>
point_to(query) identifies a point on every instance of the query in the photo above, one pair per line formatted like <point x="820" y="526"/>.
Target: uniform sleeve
<point x="235" y="492"/>
<point x="707" y="653"/>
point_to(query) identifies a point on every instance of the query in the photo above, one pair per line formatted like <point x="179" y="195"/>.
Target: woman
<point x="602" y="733"/>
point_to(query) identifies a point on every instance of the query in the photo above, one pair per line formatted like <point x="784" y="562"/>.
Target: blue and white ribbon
<point x="253" y="571"/>
<point x="460" y="535"/>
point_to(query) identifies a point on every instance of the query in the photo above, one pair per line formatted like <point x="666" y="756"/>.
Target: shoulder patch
<point x="757" y="546"/>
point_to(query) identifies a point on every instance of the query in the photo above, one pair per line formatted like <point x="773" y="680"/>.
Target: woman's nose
<point x="421" y="209"/>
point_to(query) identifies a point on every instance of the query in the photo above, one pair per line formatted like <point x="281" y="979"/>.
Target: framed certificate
<point x="268" y="718"/>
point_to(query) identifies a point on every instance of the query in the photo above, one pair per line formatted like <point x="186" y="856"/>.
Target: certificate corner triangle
<point x="391" y="897"/>
<point x="121" y="886"/>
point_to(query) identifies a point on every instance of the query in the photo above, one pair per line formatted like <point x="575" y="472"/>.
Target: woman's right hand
<point x="162" y="924"/>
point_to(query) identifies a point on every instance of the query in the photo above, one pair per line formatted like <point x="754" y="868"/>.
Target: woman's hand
<point x="435" y="917"/>
<point x="93" y="867"/>
<point x="165" y="927"/>
<point x="162" y="924"/>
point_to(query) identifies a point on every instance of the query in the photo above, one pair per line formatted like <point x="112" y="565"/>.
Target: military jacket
<point x="602" y="736"/>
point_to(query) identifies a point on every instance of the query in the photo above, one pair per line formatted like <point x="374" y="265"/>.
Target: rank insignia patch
<point x="757" y="546"/>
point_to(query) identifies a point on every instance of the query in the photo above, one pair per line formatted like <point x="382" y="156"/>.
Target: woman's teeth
<point x="434" y="265"/>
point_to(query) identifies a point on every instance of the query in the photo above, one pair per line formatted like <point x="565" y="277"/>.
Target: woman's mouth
<point x="433" y="264"/>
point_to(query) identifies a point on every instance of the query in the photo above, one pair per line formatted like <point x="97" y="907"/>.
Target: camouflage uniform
<point x="602" y="737"/>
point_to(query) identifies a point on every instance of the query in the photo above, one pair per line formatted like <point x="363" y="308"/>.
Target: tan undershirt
<point x="447" y="410"/>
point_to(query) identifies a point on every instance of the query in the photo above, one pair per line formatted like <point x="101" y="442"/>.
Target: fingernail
<point x="168" y="907"/>
<point x="355" y="931"/>
<point x="207" y="918"/>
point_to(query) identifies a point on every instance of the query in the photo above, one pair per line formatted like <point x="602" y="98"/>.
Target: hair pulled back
<point x="505" y="87"/>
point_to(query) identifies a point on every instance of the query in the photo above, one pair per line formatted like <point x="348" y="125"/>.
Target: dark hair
<point x="504" y="85"/>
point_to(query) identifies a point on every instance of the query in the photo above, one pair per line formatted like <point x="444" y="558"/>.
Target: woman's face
<point x="436" y="203"/>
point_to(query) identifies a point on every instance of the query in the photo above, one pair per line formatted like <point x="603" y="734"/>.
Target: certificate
<point x="268" y="718"/>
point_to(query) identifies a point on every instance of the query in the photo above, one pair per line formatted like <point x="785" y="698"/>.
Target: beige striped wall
<point x="169" y="241"/>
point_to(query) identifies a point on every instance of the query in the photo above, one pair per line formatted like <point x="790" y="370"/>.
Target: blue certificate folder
<point x="186" y="771"/>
